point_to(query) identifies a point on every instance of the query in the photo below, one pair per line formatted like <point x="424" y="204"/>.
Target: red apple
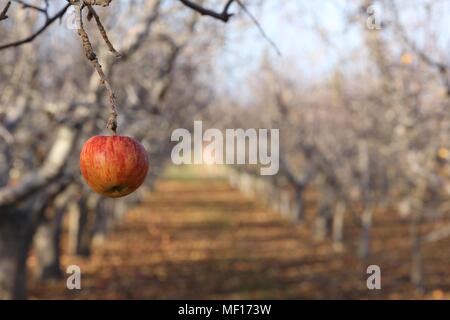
<point x="113" y="166"/>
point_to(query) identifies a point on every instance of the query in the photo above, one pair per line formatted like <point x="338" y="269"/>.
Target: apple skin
<point x="113" y="166"/>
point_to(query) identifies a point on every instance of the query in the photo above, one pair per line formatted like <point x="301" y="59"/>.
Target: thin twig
<point x="26" y="5"/>
<point x="3" y="14"/>
<point x="92" y="57"/>
<point x="103" y="31"/>
<point x="224" y="15"/>
<point x="258" y="25"/>
<point x="30" y="38"/>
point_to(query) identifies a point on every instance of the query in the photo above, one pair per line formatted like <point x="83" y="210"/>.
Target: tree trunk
<point x="46" y="245"/>
<point x="338" y="227"/>
<point x="103" y="216"/>
<point x="47" y="240"/>
<point x="299" y="208"/>
<point x="79" y="232"/>
<point x="121" y="207"/>
<point x="416" y="265"/>
<point x="13" y="254"/>
<point x="18" y="224"/>
<point x="322" y="223"/>
<point x="364" y="249"/>
<point x="284" y="205"/>
<point x="275" y="199"/>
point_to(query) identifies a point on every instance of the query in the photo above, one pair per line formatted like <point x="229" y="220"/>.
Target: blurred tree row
<point x="370" y="139"/>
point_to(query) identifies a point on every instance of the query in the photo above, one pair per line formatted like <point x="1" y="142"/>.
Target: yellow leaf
<point x="406" y="58"/>
<point x="443" y="153"/>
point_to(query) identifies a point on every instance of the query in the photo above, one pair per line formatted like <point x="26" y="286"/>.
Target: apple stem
<point x="112" y="121"/>
<point x="92" y="57"/>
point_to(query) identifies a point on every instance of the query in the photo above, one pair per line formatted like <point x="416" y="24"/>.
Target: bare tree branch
<point x="26" y="5"/>
<point x="223" y="16"/>
<point x="92" y="57"/>
<point x="52" y="168"/>
<point x="30" y="38"/>
<point x="258" y="25"/>
<point x="3" y="15"/>
<point x="102" y="31"/>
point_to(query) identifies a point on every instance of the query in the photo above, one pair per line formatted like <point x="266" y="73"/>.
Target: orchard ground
<point x="195" y="238"/>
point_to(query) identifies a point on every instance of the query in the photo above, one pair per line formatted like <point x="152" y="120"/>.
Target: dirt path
<point x="201" y="239"/>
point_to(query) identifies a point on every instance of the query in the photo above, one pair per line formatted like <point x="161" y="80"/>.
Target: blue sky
<point x="290" y="25"/>
<point x="293" y="25"/>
